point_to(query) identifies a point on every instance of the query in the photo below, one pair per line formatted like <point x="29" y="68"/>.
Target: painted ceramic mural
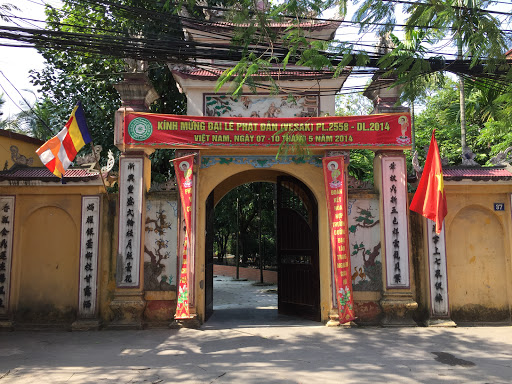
<point x="261" y="106"/>
<point x="160" y="245"/>
<point x="364" y="237"/>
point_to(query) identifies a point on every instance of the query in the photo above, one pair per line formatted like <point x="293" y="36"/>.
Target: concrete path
<point x="244" y="344"/>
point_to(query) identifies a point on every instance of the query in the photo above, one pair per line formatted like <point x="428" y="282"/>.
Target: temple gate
<point x="230" y="150"/>
<point x="400" y="272"/>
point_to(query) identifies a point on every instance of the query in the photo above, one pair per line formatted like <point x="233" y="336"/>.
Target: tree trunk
<point x="462" y="98"/>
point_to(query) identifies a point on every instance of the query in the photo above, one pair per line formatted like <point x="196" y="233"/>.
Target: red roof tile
<point x="305" y="24"/>
<point x="214" y="74"/>
<point x="44" y="174"/>
<point x="480" y="173"/>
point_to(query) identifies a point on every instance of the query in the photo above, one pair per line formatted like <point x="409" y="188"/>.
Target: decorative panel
<point x="394" y="195"/>
<point x="89" y="248"/>
<point x="364" y="239"/>
<point x="130" y="221"/>
<point x="259" y="161"/>
<point x="160" y="243"/>
<point x="437" y="271"/>
<point x="7" y="204"/>
<point x="261" y="106"/>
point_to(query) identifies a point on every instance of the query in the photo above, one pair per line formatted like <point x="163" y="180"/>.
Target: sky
<point x="15" y="63"/>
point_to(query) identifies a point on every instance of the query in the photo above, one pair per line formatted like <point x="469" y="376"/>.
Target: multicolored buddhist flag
<point x="430" y="197"/>
<point x="58" y="152"/>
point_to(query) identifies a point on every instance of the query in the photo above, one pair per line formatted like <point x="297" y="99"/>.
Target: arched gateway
<point x="226" y="147"/>
<point x="224" y="137"/>
<point x="297" y="241"/>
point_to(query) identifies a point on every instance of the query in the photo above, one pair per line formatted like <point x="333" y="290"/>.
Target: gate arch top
<point x="224" y="177"/>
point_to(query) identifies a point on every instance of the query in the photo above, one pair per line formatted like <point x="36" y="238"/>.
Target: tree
<point x="361" y="160"/>
<point x="6" y="11"/>
<point x="225" y="223"/>
<point x="488" y="121"/>
<point x="353" y="104"/>
<point x="90" y="78"/>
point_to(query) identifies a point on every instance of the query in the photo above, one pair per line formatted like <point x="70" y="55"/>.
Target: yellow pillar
<point x="390" y="179"/>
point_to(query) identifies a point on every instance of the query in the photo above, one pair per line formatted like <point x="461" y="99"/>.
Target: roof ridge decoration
<point x="468" y="158"/>
<point x="92" y="159"/>
<point x="18" y="158"/>
<point x="503" y="158"/>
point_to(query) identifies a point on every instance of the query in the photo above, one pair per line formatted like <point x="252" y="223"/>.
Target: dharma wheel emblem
<point x="140" y="129"/>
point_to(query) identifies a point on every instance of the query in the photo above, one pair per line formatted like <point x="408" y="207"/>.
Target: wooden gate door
<point x="297" y="250"/>
<point x="208" y="258"/>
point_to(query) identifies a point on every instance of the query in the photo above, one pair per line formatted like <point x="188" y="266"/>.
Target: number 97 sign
<point x="499" y="206"/>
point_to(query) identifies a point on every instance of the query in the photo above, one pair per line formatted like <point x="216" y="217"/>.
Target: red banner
<point x="183" y="167"/>
<point x="335" y="192"/>
<point x="391" y="131"/>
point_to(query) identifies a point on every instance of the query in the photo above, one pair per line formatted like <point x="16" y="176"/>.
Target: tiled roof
<point x="43" y="174"/>
<point x="305" y="24"/>
<point x="477" y="173"/>
<point x="214" y="74"/>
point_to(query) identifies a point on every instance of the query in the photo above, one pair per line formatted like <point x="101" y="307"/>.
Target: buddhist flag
<point x="430" y="197"/>
<point x="58" y="152"/>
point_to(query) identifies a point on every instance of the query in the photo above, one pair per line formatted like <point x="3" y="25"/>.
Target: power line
<point x="176" y="27"/>
<point x="26" y="103"/>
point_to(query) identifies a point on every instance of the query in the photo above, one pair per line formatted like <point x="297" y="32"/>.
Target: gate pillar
<point x="134" y="181"/>
<point x="193" y="321"/>
<point x="390" y="178"/>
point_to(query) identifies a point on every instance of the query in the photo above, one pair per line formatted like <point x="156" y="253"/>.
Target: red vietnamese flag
<point x="430" y="197"/>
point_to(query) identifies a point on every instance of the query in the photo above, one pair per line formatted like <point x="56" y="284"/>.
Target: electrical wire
<point x="174" y="49"/>
<point x="26" y="103"/>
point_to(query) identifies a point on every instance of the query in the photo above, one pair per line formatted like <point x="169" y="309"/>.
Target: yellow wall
<point x="478" y="251"/>
<point x="209" y="178"/>
<point x="45" y="258"/>
<point x="27" y="149"/>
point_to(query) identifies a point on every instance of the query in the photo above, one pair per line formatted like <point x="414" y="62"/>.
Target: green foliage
<point x="225" y="224"/>
<point x="6" y="11"/>
<point x="488" y="117"/>
<point x="69" y="77"/>
<point x="477" y="31"/>
<point x="361" y="160"/>
<point x="470" y="26"/>
<point x="354" y="104"/>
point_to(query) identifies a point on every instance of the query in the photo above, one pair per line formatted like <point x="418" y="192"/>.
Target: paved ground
<point x="243" y="344"/>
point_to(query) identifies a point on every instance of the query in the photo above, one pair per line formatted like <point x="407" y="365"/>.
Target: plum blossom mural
<point x="364" y="237"/>
<point x="160" y="245"/>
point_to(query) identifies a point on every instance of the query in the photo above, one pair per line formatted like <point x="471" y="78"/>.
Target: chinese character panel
<point x="437" y="268"/>
<point x="89" y="248"/>
<point x="130" y="217"/>
<point x="394" y="195"/>
<point x="6" y="239"/>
